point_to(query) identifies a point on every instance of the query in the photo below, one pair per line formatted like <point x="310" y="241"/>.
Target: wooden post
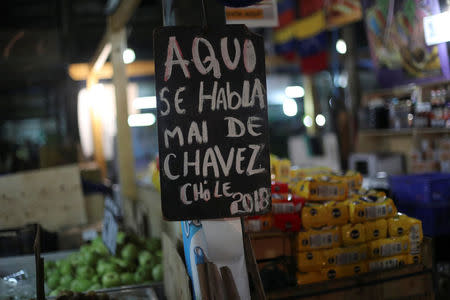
<point x="310" y="107"/>
<point x="352" y="93"/>
<point x="125" y="155"/>
<point x="97" y="128"/>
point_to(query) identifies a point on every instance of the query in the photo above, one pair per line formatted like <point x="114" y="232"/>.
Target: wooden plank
<point x="122" y="15"/>
<point x="176" y="279"/>
<point x="309" y="103"/>
<point x="51" y="197"/>
<point x="416" y="284"/>
<point x="138" y="68"/>
<point x="127" y="174"/>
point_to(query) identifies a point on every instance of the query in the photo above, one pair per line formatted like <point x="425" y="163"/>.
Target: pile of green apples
<point x="93" y="267"/>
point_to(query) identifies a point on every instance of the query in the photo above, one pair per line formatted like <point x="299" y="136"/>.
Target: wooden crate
<point x="51" y="197"/>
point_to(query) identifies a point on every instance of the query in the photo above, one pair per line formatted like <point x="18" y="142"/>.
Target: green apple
<point x="85" y="272"/>
<point x="85" y="248"/>
<point x="95" y="279"/>
<point x="90" y="258"/>
<point x="48" y="264"/>
<point x="65" y="281"/>
<point x="105" y="267"/>
<point x="80" y="285"/>
<point x="95" y="287"/>
<point x="121" y="263"/>
<point x="110" y="279"/>
<point x="76" y="259"/>
<point x="53" y="281"/>
<point x="157" y="272"/>
<point x="66" y="268"/>
<point x="121" y="237"/>
<point x="54" y="293"/>
<point x="143" y="273"/>
<point x="98" y="247"/>
<point x="145" y="258"/>
<point x="52" y="272"/>
<point x="126" y="278"/>
<point x="129" y="252"/>
<point x="153" y="244"/>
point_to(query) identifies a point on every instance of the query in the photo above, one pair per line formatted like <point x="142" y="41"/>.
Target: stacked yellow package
<point x="352" y="179"/>
<point x="274" y="167"/>
<point x="388" y="247"/>
<point x="348" y="230"/>
<point x="376" y="229"/>
<point x="363" y="209"/>
<point x="402" y="225"/>
<point x="317" y="215"/>
<point x="296" y="174"/>
<point x="386" y="263"/>
<point x="321" y="255"/>
<point x="321" y="188"/>
<point x="353" y="234"/>
<point x="309" y="240"/>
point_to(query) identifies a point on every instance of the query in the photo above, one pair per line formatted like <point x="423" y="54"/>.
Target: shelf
<point x="270" y="234"/>
<point x="399" y="132"/>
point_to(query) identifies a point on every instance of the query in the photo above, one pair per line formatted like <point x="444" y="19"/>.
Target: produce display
<point x="343" y="230"/>
<point x="94" y="268"/>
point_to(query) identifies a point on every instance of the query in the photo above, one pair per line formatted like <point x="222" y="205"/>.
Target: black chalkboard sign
<point x="212" y="122"/>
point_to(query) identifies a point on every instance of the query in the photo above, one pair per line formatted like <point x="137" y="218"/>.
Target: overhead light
<point x="290" y="107"/>
<point x="307" y="121"/>
<point x="320" y="120"/>
<point x="295" y="91"/>
<point x="341" y="46"/>
<point x="141" y="120"/>
<point x="144" y="102"/>
<point x="128" y="56"/>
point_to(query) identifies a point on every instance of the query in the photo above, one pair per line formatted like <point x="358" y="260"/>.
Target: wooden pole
<point x="352" y="93"/>
<point x="310" y="106"/>
<point x="97" y="128"/>
<point x="125" y="155"/>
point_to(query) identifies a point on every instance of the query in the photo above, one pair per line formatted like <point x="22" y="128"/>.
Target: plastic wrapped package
<point x="386" y="263"/>
<point x="311" y="261"/>
<point x="352" y="179"/>
<point x="316" y="215"/>
<point x="403" y="225"/>
<point x="353" y="234"/>
<point x="345" y="270"/>
<point x="376" y="230"/>
<point x="321" y="188"/>
<point x="412" y="259"/>
<point x="259" y="223"/>
<point x="287" y="222"/>
<point x="363" y="210"/>
<point x="283" y="171"/>
<point x="346" y="255"/>
<point x="388" y="247"/>
<point x="286" y="204"/>
<point x="325" y="238"/>
<point x="338" y="213"/>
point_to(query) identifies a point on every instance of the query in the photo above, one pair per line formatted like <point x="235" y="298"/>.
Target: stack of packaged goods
<point x="360" y="233"/>
<point x="286" y="207"/>
<point x="343" y="230"/>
